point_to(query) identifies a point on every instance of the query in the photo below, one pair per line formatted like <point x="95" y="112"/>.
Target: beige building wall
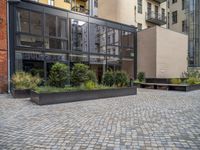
<point x="180" y="17"/>
<point x="146" y="55"/>
<point x="162" y="53"/>
<point x="126" y="11"/>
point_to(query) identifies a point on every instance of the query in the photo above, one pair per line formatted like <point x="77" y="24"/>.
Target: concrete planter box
<point x="21" y="93"/>
<point x="63" y="97"/>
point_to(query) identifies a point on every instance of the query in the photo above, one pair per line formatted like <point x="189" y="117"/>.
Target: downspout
<point x="8" y="46"/>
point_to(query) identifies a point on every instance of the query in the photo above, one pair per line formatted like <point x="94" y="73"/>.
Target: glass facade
<point x="45" y="35"/>
<point x="193" y="29"/>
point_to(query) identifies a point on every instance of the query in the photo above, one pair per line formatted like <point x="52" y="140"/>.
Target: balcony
<point x="80" y="10"/>
<point x="160" y="1"/>
<point x="156" y="18"/>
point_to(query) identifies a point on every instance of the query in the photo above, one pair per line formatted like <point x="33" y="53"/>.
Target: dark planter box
<point x="63" y="97"/>
<point x="171" y="87"/>
<point x="21" y="93"/>
<point x="185" y="88"/>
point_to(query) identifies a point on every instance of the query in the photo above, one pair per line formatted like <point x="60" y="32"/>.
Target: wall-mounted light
<point x="1" y="20"/>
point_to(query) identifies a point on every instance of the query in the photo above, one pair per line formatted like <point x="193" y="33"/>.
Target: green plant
<point x="176" y="81"/>
<point x="191" y="74"/>
<point x="90" y="85"/>
<point x="23" y="80"/>
<point x="109" y="78"/>
<point x="79" y="74"/>
<point x="141" y="76"/>
<point x="192" y="81"/>
<point x="121" y="79"/>
<point x="92" y="76"/>
<point x="59" y="75"/>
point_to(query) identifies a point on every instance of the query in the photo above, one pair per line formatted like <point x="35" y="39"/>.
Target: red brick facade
<point x="3" y="47"/>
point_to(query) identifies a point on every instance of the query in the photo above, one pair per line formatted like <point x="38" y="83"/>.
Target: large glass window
<point x="113" y="63"/>
<point x="79" y="35"/>
<point x="127" y="44"/>
<point x="62" y="28"/>
<point x="23" y="20"/>
<point x="53" y="43"/>
<point x="113" y="41"/>
<point x="50" y="25"/>
<point x="32" y="62"/>
<point x="98" y="65"/>
<point x="36" y="23"/>
<point x="97" y="39"/>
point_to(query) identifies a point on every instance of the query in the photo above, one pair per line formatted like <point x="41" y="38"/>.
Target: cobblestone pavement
<point x="150" y="120"/>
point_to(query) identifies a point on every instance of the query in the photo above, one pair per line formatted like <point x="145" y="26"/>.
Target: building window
<point x="174" y="17"/>
<point x="36" y="23"/>
<point x="156" y="12"/>
<point x="168" y="20"/>
<point x="139" y="26"/>
<point x="23" y="17"/>
<point x="97" y="36"/>
<point x="174" y="1"/>
<point x="183" y="4"/>
<point x="50" y="25"/>
<point x="148" y="7"/>
<point x="184" y="26"/>
<point x="79" y="35"/>
<point x="140" y="6"/>
<point x="96" y="3"/>
<point x="163" y="14"/>
<point x="67" y="1"/>
<point x="51" y="2"/>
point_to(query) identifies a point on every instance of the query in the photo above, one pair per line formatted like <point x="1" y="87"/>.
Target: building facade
<point x="40" y="35"/>
<point x="184" y="17"/>
<point x="140" y="13"/>
<point x="177" y="16"/>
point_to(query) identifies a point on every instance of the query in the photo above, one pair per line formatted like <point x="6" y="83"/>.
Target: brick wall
<point x="3" y="47"/>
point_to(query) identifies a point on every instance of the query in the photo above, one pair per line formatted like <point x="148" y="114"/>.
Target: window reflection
<point x="23" y="20"/>
<point x="53" y="43"/>
<point x="50" y="25"/>
<point x="62" y="28"/>
<point x="36" y="23"/>
<point x="31" y="62"/>
<point x="97" y="39"/>
<point x="79" y="35"/>
<point x="29" y="41"/>
<point x="98" y="65"/>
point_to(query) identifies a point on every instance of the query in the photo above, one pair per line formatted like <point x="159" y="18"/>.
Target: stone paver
<point x="151" y="120"/>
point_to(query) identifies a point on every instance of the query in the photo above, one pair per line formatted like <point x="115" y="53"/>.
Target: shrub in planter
<point x="192" y="81"/>
<point x="79" y="74"/>
<point x="121" y="79"/>
<point x="176" y="81"/>
<point x="90" y="85"/>
<point x="109" y="78"/>
<point x="191" y="74"/>
<point x="23" y="80"/>
<point x="92" y="76"/>
<point x="59" y="75"/>
<point x="141" y="76"/>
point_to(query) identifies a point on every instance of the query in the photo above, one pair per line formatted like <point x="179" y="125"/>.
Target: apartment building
<point x="184" y="17"/>
<point x="177" y="15"/>
<point x="140" y="13"/>
<point x="89" y="7"/>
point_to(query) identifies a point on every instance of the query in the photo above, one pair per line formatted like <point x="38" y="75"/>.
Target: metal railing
<point x="80" y="9"/>
<point x="151" y="15"/>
